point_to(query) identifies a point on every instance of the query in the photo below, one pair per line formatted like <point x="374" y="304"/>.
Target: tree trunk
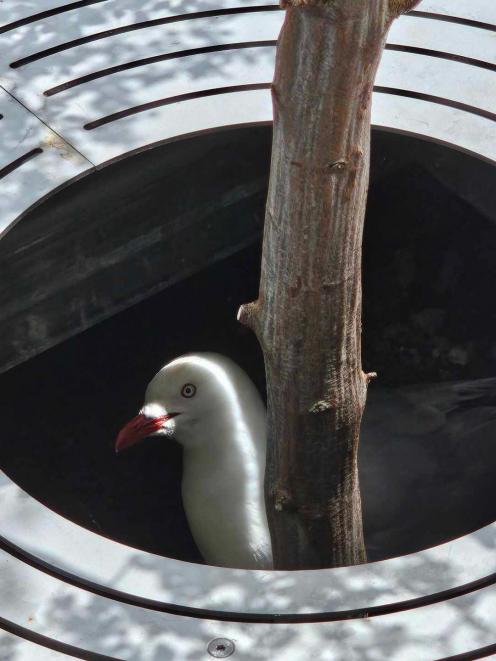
<point x="308" y="314"/>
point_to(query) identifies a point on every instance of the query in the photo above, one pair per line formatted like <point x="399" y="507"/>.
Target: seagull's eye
<point x="188" y="390"/>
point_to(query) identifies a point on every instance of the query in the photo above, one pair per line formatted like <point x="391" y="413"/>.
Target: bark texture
<point x="308" y="314"/>
<point x="395" y="7"/>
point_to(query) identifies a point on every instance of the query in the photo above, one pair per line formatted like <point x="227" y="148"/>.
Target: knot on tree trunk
<point x="321" y="406"/>
<point x="249" y="315"/>
<point x="370" y="376"/>
<point x="283" y="500"/>
<point x="337" y="166"/>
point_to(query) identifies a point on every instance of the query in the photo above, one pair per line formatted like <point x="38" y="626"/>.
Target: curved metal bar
<point x="47" y="14"/>
<point x="239" y="616"/>
<point x="138" y="26"/>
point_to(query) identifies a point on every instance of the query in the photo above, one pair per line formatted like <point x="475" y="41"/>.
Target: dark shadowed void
<point x="427" y="468"/>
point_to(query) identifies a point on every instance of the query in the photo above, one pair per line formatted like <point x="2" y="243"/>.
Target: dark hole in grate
<point x="429" y="269"/>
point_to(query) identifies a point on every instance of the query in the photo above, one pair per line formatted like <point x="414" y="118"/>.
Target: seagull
<point x="212" y="408"/>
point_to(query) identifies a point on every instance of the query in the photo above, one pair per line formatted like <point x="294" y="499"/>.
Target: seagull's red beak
<point x="139" y="427"/>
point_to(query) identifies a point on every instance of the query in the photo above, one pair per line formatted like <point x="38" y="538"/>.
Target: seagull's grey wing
<point x="449" y="396"/>
<point x="424" y="408"/>
<point x="427" y="451"/>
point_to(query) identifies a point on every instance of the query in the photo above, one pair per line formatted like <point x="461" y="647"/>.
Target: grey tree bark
<point x="308" y="314"/>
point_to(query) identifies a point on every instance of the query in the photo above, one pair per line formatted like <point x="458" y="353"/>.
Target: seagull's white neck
<point x="227" y="450"/>
<point x="223" y="476"/>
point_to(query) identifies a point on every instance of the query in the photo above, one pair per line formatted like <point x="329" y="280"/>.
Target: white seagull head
<point x="188" y="396"/>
